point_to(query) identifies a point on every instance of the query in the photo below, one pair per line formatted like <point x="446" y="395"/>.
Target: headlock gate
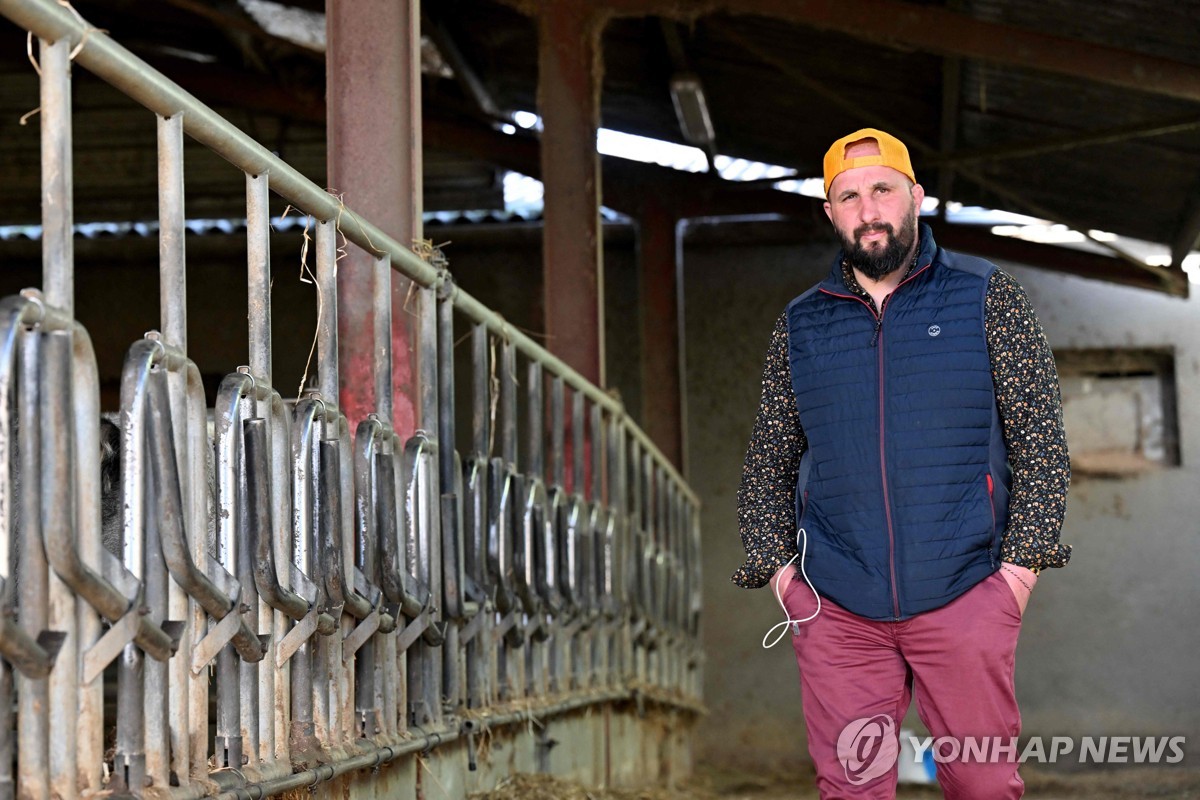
<point x="283" y="602"/>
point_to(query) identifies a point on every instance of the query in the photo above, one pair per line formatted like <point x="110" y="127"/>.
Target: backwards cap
<point x="892" y="153"/>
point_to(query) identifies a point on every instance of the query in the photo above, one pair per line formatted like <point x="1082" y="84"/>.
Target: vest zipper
<point x="887" y="503"/>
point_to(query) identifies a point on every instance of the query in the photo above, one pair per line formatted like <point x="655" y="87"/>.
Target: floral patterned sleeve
<point x="766" y="498"/>
<point x="1030" y="405"/>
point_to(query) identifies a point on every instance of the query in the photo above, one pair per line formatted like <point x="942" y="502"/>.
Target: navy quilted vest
<point x="903" y="491"/>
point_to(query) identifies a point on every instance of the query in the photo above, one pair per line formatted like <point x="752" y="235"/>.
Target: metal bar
<point x="329" y="654"/>
<point x="599" y="451"/>
<point x="58" y="512"/>
<point x="427" y="353"/>
<point x="557" y="476"/>
<point x="33" y="758"/>
<point x="58" y="254"/>
<point x="367" y="441"/>
<point x="230" y="411"/>
<point x="302" y="736"/>
<point x="382" y="317"/>
<point x="258" y="272"/>
<point x="579" y="445"/>
<point x="277" y="696"/>
<point x="482" y="399"/>
<point x="172" y="293"/>
<point x="130" y="758"/>
<point x="508" y="404"/>
<point x="247" y="671"/>
<point x="157" y="731"/>
<point x="172" y="281"/>
<point x="191" y="735"/>
<point x="445" y="381"/>
<point x="327" y="327"/>
<point x="535" y="458"/>
<point x="359" y="608"/>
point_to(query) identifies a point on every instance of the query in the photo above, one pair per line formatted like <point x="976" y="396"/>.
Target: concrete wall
<point x="1109" y="645"/>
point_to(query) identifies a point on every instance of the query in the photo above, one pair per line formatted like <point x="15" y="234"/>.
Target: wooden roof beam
<point x="1188" y="231"/>
<point x="980" y="241"/>
<point x="937" y="30"/>
<point x="1066" y="142"/>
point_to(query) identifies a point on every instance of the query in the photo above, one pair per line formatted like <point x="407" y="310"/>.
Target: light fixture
<point x="691" y="109"/>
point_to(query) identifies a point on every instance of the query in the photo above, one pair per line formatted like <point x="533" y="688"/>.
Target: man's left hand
<point x="1021" y="580"/>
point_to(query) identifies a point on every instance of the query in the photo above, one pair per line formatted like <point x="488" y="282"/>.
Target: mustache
<point x="874" y="227"/>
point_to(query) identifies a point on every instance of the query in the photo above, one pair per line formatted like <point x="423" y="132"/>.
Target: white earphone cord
<point x="795" y="623"/>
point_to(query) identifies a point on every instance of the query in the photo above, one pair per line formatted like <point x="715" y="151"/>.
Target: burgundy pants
<point x="958" y="662"/>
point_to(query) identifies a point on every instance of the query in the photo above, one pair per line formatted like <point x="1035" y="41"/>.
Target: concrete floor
<point x="711" y="784"/>
<point x="1124" y="784"/>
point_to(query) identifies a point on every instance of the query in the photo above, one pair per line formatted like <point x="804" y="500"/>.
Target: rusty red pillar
<point x="569" y="76"/>
<point x="373" y="102"/>
<point x="661" y="303"/>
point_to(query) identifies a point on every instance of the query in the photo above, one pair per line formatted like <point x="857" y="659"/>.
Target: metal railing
<point x="337" y="598"/>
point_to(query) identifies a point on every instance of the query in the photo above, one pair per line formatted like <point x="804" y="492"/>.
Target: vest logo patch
<point x="934" y="330"/>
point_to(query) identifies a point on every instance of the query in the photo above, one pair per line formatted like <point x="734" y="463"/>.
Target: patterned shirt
<point x="1030" y="407"/>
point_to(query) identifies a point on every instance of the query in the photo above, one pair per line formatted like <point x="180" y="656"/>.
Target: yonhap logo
<point x="934" y="330"/>
<point x="868" y="748"/>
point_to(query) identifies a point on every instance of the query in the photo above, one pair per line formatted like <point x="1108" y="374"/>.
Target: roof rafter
<point x="1188" y="230"/>
<point x="940" y="31"/>
<point x="1058" y="144"/>
<point x="914" y="142"/>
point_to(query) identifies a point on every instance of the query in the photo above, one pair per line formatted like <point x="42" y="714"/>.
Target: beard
<point x="878" y="262"/>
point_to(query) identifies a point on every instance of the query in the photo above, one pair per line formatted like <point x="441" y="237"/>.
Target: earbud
<point x="795" y="623"/>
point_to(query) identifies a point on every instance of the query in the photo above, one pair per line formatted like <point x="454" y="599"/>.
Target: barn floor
<point x="1111" y="784"/>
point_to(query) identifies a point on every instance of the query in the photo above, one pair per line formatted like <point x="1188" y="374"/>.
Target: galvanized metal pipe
<point x="172" y="292"/>
<point x="172" y="282"/>
<point x="156" y="737"/>
<point x="258" y="272"/>
<point x="557" y="475"/>
<point x="58" y="225"/>
<point x="327" y="332"/>
<point x="190" y="730"/>
<point x="382" y="316"/>
<point x="33" y="757"/>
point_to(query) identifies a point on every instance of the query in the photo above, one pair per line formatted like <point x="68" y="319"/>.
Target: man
<point x="910" y="442"/>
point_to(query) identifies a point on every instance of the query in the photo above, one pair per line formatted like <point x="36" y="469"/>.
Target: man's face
<point x="874" y="211"/>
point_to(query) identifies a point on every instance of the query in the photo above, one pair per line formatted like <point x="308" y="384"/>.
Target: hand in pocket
<point x="1021" y="581"/>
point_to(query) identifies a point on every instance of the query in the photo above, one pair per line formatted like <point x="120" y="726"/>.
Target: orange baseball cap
<point x="892" y="153"/>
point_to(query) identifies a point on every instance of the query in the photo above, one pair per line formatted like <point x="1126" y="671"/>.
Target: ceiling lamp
<point x="691" y="109"/>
